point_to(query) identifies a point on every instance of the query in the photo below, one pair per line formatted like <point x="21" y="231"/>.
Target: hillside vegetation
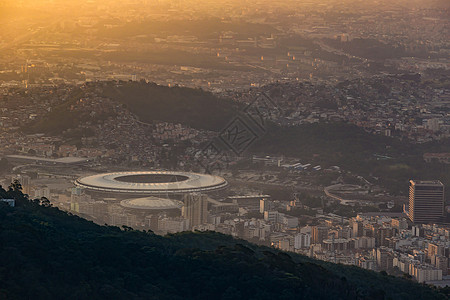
<point x="60" y="118"/>
<point x="49" y="254"/>
<point x="193" y="107"/>
<point x="148" y="101"/>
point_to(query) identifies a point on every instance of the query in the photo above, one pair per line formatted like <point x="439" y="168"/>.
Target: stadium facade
<point x="149" y="183"/>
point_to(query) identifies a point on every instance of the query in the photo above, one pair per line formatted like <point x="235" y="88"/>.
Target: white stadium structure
<point x="151" y="203"/>
<point x="151" y="183"/>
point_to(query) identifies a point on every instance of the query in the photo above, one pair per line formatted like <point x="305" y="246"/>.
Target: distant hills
<point x="49" y="254"/>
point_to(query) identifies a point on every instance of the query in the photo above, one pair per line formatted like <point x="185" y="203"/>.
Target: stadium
<point x="148" y="183"/>
<point x="151" y="204"/>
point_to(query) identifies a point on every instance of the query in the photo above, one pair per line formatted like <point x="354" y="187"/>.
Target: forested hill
<point x="148" y="101"/>
<point x="48" y="254"/>
<point x="193" y="107"/>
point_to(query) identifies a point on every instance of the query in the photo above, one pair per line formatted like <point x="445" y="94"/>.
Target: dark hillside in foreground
<point x="48" y="254"/>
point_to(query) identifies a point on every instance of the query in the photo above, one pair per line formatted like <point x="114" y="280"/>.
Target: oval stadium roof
<point x="151" y="182"/>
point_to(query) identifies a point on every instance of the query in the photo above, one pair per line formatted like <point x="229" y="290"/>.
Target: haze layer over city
<point x="292" y="137"/>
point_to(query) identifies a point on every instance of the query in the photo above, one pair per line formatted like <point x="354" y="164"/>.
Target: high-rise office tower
<point x="195" y="209"/>
<point x="426" y="201"/>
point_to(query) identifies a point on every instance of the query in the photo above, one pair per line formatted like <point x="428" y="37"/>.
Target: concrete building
<point x="441" y="263"/>
<point x="358" y="229"/>
<point x="401" y="263"/>
<point x="273" y="216"/>
<point x="284" y="244"/>
<point x="424" y="273"/>
<point x="384" y="258"/>
<point x="319" y="233"/>
<point x="426" y="201"/>
<point x="217" y="207"/>
<point x="366" y="263"/>
<point x="302" y="240"/>
<point x="435" y="249"/>
<point x="382" y="235"/>
<point x="364" y="242"/>
<point x="399" y="223"/>
<point x="337" y="244"/>
<point x="289" y="222"/>
<point x="265" y="205"/>
<point x="25" y="181"/>
<point x="42" y="192"/>
<point x="167" y="225"/>
<point x="195" y="209"/>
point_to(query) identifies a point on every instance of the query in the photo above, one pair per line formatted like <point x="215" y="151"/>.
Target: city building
<point x="195" y="209"/>
<point x="426" y="201"/>
<point x="358" y="229"/>
<point x="273" y="216"/>
<point x="383" y="258"/>
<point x="167" y="225"/>
<point x="319" y="233"/>
<point x="302" y="240"/>
<point x="265" y="205"/>
<point x="425" y="273"/>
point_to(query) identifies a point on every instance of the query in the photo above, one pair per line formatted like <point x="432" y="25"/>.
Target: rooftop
<point x="151" y="182"/>
<point x="426" y="182"/>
